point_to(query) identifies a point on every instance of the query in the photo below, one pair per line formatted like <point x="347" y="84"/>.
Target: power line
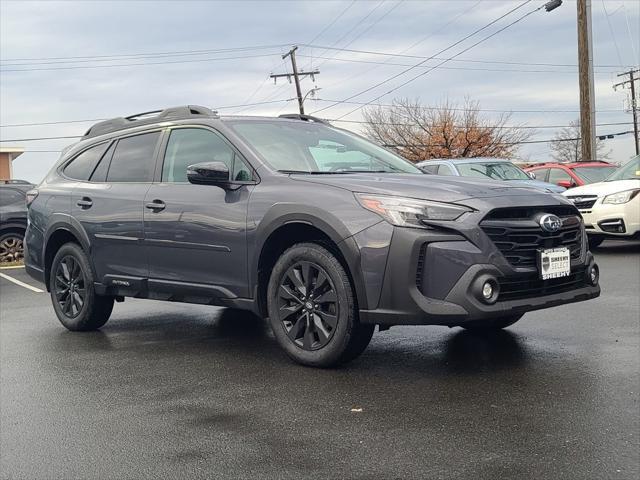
<point x="464" y="60"/>
<point x="519" y="19"/>
<point x="506" y="127"/>
<point x="152" y="54"/>
<point x="168" y="62"/>
<point x="464" y="109"/>
<point x="373" y="24"/>
<point x="413" y="45"/>
<point x="332" y="23"/>
<point x="351" y="60"/>
<point x="393" y="77"/>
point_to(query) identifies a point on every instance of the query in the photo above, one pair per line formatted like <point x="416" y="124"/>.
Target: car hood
<point x="603" y="188"/>
<point x="428" y="187"/>
<point x="547" y="187"/>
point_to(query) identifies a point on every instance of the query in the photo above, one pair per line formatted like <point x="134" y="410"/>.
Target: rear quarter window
<point x="82" y="166"/>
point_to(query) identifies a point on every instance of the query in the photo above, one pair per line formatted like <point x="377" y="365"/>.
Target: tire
<point x="594" y="242"/>
<point x="74" y="299"/>
<point x="11" y="247"/>
<point x="321" y="329"/>
<point x="491" y="324"/>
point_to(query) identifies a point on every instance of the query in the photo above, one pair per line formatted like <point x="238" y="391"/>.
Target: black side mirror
<point x="209" y="173"/>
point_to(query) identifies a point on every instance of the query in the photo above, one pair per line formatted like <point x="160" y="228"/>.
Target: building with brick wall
<point x="7" y="156"/>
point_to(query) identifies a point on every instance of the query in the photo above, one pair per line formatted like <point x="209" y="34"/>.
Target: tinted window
<point x="83" y="165"/>
<point x="557" y="175"/>
<point x="9" y="196"/>
<point x="100" y="173"/>
<point x="188" y="146"/>
<point x="133" y="159"/>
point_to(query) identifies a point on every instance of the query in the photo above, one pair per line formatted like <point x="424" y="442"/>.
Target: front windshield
<point x="304" y="147"/>
<point x="631" y="171"/>
<point x="593" y="174"/>
<point x="495" y="170"/>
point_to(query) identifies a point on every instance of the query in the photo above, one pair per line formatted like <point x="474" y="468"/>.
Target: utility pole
<point x="634" y="103"/>
<point x="585" y="81"/>
<point x="296" y="76"/>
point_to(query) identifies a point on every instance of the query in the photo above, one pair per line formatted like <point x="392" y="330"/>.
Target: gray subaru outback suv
<point x="314" y="227"/>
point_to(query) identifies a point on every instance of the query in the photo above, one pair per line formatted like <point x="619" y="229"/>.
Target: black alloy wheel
<point x="70" y="286"/>
<point x="11" y="248"/>
<point x="308" y="305"/>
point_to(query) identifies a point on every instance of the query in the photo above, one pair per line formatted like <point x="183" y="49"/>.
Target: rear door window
<point x="134" y="159"/>
<point x="81" y="167"/>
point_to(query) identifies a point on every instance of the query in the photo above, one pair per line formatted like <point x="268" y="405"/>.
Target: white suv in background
<point x="611" y="209"/>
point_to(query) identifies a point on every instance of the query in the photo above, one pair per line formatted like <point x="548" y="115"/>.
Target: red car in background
<point x="569" y="175"/>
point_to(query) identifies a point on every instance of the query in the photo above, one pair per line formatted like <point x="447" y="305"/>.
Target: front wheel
<point x="75" y="301"/>
<point x="491" y="324"/>
<point x="312" y="308"/>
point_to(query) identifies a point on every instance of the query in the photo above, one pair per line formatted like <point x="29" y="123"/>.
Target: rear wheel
<point x="491" y="324"/>
<point x="75" y="301"/>
<point x="11" y="247"/>
<point x="312" y="308"/>
<point x="595" y="241"/>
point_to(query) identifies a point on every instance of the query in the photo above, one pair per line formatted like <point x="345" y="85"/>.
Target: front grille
<point x="518" y="235"/>
<point x="520" y="287"/>
<point x="583" y="202"/>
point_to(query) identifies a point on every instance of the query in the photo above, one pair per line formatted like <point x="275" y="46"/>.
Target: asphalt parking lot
<point x="174" y="391"/>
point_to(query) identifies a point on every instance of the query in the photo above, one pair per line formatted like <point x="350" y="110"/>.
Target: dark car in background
<point x="493" y="168"/>
<point x="13" y="219"/>
<point x="570" y="175"/>
<point x="314" y="227"/>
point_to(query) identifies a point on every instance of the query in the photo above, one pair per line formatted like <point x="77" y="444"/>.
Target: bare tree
<point x="420" y="133"/>
<point x="567" y="145"/>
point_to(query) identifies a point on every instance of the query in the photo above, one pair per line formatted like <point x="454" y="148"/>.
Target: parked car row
<point x="493" y="168"/>
<point x="611" y="208"/>
<point x="13" y="219"/>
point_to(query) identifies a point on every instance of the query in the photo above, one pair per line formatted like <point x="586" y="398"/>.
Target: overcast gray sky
<point x="131" y="62"/>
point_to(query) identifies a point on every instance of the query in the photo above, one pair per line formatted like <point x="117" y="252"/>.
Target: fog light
<point x="487" y="290"/>
<point x="594" y="275"/>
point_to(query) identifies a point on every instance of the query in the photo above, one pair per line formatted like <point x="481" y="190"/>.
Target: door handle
<point x="156" y="205"/>
<point x="84" y="202"/>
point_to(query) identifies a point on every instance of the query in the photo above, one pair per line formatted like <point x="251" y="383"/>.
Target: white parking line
<point x="22" y="284"/>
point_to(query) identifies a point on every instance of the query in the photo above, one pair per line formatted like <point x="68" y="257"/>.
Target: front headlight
<point x="620" y="197"/>
<point x="410" y="212"/>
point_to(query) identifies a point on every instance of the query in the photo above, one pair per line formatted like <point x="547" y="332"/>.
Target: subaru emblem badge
<point x="550" y="223"/>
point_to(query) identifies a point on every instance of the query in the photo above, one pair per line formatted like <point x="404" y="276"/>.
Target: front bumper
<point x="602" y="219"/>
<point x="431" y="278"/>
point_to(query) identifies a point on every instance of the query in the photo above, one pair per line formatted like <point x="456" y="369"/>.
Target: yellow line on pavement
<point x="12" y="267"/>
<point x="22" y="284"/>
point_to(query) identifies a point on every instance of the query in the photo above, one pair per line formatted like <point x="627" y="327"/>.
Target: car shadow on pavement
<point x="237" y="336"/>
<point x="617" y="247"/>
